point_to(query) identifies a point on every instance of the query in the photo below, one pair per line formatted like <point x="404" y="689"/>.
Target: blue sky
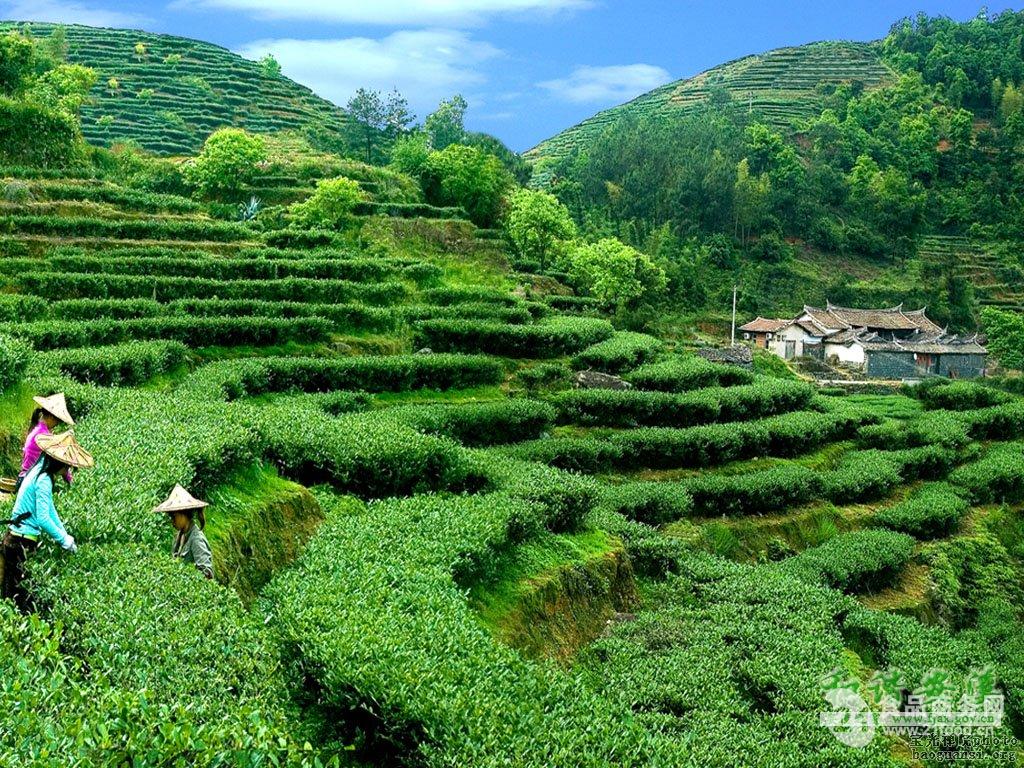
<point x="529" y="68"/>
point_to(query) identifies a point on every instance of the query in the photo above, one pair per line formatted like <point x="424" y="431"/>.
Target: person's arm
<point x="46" y="514"/>
<point x="201" y="554"/>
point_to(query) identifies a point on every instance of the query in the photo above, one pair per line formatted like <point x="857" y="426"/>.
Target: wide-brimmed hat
<point x="57" y="405"/>
<point x="65" y="448"/>
<point x="180" y="500"/>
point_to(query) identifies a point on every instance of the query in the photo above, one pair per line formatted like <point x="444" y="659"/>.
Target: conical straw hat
<point x="57" y="405"/>
<point x="65" y="448"/>
<point x="179" y="501"/>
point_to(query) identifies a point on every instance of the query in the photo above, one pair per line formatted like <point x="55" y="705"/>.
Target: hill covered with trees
<point x="891" y="175"/>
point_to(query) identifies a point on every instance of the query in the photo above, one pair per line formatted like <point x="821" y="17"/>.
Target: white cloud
<point x="70" y="12"/>
<point x="607" y="85"/>
<point x="451" y="13"/>
<point x="425" y="65"/>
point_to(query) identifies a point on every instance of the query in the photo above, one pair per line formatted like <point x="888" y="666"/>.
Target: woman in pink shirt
<point x="52" y="410"/>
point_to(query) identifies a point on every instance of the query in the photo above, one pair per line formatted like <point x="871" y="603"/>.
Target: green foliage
<point x="853" y="561"/>
<point x="616" y="274"/>
<point x="14" y="358"/>
<point x="932" y="511"/>
<point x="651" y="503"/>
<point x="479" y="424"/>
<point x="228" y="162"/>
<point x="997" y="476"/>
<point x="379" y="117"/>
<point x="37" y="135"/>
<point x="622" y="352"/>
<point x="680" y="374"/>
<point x="630" y="408"/>
<point x="967" y="571"/>
<point x="535" y="222"/>
<point x="959" y="395"/>
<point x="469" y="178"/>
<point x="330" y="206"/>
<point x="446" y="125"/>
<point x="121" y="365"/>
<point x="271" y="67"/>
<point x="753" y="493"/>
<point x="548" y="338"/>
<point x="1005" y="331"/>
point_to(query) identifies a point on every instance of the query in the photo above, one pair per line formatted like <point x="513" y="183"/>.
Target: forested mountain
<point x="169" y="93"/>
<point x="872" y="173"/>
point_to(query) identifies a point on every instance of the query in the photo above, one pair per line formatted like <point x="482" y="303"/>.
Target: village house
<point x="888" y="343"/>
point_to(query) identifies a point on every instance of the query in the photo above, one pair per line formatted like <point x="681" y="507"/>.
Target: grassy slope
<point x="210" y="88"/>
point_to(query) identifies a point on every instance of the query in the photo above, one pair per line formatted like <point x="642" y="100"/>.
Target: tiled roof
<point x="893" y="319"/>
<point x="764" y="325"/>
<point x="929" y="344"/>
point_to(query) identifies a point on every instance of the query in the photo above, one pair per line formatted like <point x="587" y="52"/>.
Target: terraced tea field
<point x="172" y="96"/>
<point x="433" y="549"/>
<point x="780" y="86"/>
<point x="996" y="280"/>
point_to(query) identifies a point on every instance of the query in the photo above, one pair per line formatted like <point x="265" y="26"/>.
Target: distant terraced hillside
<point x="781" y="85"/>
<point x="169" y="106"/>
<point x="996" y="278"/>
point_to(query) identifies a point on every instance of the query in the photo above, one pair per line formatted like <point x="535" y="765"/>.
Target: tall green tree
<point x="379" y="117"/>
<point x="228" y="162"/>
<point x="467" y="177"/>
<point x="447" y="124"/>
<point x="535" y="222"/>
<point x="750" y="200"/>
<point x="615" y="273"/>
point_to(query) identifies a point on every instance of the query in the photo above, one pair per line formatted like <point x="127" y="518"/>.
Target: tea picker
<point x="190" y="543"/>
<point x="34" y="513"/>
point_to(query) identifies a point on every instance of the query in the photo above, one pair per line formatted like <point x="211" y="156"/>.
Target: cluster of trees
<point x="41" y="97"/>
<point x="935" y="150"/>
<point x="544" y="237"/>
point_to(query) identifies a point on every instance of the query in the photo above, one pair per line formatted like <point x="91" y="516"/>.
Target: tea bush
<point x="853" y="562"/>
<point x="118" y="365"/>
<point x="651" y="503"/>
<point x="553" y="338"/>
<point x="622" y="352"/>
<point x="680" y="374"/>
<point x="631" y="408"/>
<point x="933" y="510"/>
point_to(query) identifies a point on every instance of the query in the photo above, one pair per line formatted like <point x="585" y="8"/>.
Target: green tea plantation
<point x="432" y="547"/>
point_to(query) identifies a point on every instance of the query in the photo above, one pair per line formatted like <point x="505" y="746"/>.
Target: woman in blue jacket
<point x="34" y="513"/>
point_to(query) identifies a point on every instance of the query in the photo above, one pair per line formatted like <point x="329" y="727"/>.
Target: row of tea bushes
<point x="479" y="424"/>
<point x="704" y="446"/>
<point x="622" y="352"/>
<point x="932" y="511"/>
<point x="681" y="374"/>
<point x="233" y="268"/>
<point x="853" y="562"/>
<point x="361" y="454"/>
<point x="116" y="365"/>
<point x="117" y="286"/>
<point x="234" y="379"/>
<point x="996" y="477"/>
<point x="629" y="408"/>
<point x="127" y="229"/>
<point x="377" y="600"/>
<point x="731" y="655"/>
<point x="193" y="331"/>
<point x="552" y="337"/>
